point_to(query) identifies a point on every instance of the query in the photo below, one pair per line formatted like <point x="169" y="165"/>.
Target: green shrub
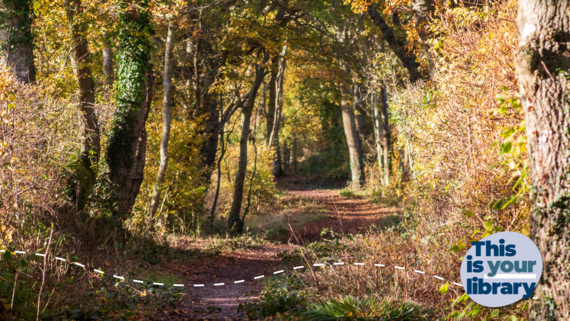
<point x="347" y="193"/>
<point x="279" y="295"/>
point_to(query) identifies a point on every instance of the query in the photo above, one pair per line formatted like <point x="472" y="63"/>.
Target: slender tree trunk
<point x="543" y="66"/>
<point x="220" y="158"/>
<point x="234" y="220"/>
<point x="407" y="58"/>
<point x="378" y="135"/>
<point x="404" y="166"/>
<point x="273" y="99"/>
<point x="16" y="38"/>
<point x="293" y="157"/>
<point x="352" y="140"/>
<point x="274" y="138"/>
<point x="360" y="130"/>
<point x="386" y="137"/>
<point x="211" y="131"/>
<point x="126" y="151"/>
<point x="166" y="120"/>
<point x="91" y="142"/>
<point x="108" y="69"/>
<point x="277" y="162"/>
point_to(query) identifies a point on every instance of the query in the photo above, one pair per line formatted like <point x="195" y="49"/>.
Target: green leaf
<point x="506" y="147"/>
<point x="497" y="206"/>
<point x="443" y="288"/>
<point x="495" y="313"/>
<point x="475" y="232"/>
<point x="458" y="247"/>
<point x="468" y="213"/>
<point x="452" y="315"/>
<point x="463" y="298"/>
<point x="508" y="133"/>
<point x="507" y="203"/>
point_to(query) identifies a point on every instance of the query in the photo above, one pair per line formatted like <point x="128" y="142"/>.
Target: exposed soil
<point x="345" y="215"/>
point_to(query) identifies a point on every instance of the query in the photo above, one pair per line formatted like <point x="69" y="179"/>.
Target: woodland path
<point x="345" y="214"/>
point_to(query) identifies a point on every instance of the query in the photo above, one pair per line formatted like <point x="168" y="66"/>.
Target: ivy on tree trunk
<point x="127" y="140"/>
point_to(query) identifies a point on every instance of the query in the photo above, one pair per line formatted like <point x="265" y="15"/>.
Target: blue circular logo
<point x="501" y="269"/>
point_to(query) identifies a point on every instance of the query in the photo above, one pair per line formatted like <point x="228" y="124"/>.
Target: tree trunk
<point x="352" y="139"/>
<point x="404" y="166"/>
<point x="210" y="148"/>
<point x="16" y="38"/>
<point x="108" y="69"/>
<point x="543" y="62"/>
<point x="378" y="136"/>
<point x="91" y="142"/>
<point x="360" y="130"/>
<point x="386" y="136"/>
<point x="127" y="140"/>
<point x="273" y="94"/>
<point x="166" y="120"/>
<point x="353" y="142"/>
<point x="293" y="157"/>
<point x="422" y="10"/>
<point x="235" y="223"/>
<point x="407" y="58"/>
<point x="223" y="121"/>
<point x="274" y="138"/>
<point x="206" y="107"/>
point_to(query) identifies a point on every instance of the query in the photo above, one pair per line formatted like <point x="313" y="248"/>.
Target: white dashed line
<point x="239" y="281"/>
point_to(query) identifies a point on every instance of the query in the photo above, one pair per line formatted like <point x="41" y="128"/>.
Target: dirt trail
<point x="348" y="215"/>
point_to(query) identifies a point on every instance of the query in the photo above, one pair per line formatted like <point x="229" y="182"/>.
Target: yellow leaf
<point x="11" y="97"/>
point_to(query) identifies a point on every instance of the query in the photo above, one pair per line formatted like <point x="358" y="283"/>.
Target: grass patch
<point x="347" y="193"/>
<point x="389" y="222"/>
<point x="275" y="225"/>
<point x="367" y="308"/>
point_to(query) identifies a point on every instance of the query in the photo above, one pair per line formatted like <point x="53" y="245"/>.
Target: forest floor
<point x="343" y="215"/>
